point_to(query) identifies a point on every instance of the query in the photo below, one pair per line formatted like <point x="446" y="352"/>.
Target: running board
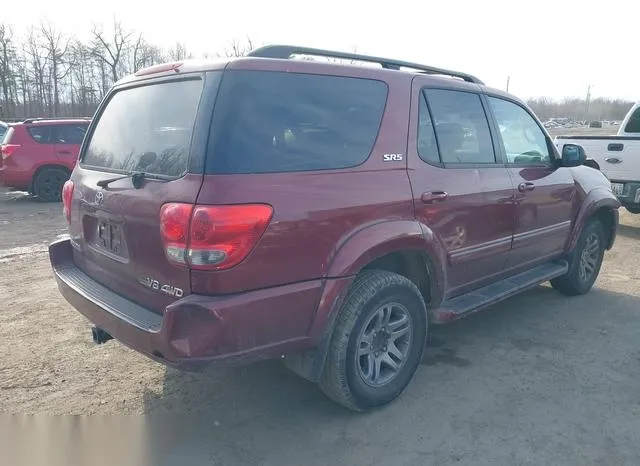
<point x="463" y="305"/>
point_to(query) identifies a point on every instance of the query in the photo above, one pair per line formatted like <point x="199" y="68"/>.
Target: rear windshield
<point x="146" y="128"/>
<point x="633" y="125"/>
<point x="282" y="122"/>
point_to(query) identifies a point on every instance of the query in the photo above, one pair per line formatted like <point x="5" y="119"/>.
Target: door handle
<point x="526" y="186"/>
<point x="64" y="152"/>
<point x="433" y="196"/>
<point x="613" y="160"/>
<point x="615" y="147"/>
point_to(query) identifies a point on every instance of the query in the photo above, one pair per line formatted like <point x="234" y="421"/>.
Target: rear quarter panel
<point x="315" y="212"/>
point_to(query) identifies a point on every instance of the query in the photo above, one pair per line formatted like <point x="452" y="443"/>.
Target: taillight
<point x="67" y="197"/>
<point x="212" y="237"/>
<point x="8" y="150"/>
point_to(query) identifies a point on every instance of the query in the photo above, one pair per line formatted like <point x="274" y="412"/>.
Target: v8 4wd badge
<point x="166" y="289"/>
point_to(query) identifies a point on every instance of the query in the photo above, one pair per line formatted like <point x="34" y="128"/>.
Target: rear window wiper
<point x="136" y="179"/>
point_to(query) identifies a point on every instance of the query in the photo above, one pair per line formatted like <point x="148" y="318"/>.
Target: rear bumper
<point x="630" y="193"/>
<point x="196" y="330"/>
<point x="12" y="178"/>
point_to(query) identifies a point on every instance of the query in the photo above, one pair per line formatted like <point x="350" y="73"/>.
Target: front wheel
<point x="377" y="343"/>
<point x="584" y="262"/>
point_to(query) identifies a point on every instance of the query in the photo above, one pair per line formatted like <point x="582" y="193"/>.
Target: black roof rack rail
<point x="285" y="52"/>
<point x="32" y="120"/>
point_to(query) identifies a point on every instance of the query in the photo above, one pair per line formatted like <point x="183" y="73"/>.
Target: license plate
<point x="109" y="237"/>
<point x="617" y="188"/>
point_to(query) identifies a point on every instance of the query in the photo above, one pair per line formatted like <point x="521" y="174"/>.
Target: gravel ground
<point x="539" y="379"/>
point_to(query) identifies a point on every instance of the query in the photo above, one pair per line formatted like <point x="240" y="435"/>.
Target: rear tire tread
<point x="365" y="287"/>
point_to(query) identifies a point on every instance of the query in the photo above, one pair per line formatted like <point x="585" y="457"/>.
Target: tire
<point x="633" y="208"/>
<point x="584" y="262"/>
<point x="350" y="380"/>
<point x="48" y="183"/>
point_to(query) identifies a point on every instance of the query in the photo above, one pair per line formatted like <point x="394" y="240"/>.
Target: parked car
<point x="329" y="214"/>
<point x="39" y="154"/>
<point x="595" y="124"/>
<point x="617" y="156"/>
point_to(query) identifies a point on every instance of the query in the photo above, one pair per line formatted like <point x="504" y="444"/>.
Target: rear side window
<point x="39" y="134"/>
<point x="68" y="134"/>
<point x="146" y="128"/>
<point x="633" y="125"/>
<point x="284" y="122"/>
<point x="3" y="131"/>
<point x="461" y="126"/>
<point x="6" y="137"/>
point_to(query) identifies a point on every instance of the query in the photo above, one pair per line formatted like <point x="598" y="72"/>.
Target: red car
<point x="327" y="213"/>
<point x="38" y="155"/>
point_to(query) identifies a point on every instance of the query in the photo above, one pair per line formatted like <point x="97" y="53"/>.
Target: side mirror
<point x="573" y="155"/>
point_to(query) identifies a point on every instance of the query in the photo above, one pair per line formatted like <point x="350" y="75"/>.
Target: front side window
<point x="523" y="140"/>
<point x="69" y="134"/>
<point x="461" y="127"/>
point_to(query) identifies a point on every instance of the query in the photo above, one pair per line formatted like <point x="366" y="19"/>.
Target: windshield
<point x="146" y="128"/>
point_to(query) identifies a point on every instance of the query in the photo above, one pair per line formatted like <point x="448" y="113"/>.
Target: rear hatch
<point x="139" y="153"/>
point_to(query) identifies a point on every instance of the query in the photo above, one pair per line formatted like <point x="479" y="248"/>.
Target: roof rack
<point x="33" y="120"/>
<point x="285" y="52"/>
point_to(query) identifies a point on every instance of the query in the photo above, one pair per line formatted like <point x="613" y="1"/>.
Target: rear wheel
<point x="48" y="183"/>
<point x="377" y="343"/>
<point x="584" y="262"/>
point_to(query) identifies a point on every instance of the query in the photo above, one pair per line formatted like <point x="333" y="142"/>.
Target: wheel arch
<point x="404" y="247"/>
<point x="47" y="166"/>
<point x="600" y="204"/>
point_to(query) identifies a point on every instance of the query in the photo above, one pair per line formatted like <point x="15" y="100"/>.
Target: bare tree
<point x="238" y="48"/>
<point x="179" y="52"/>
<point x="7" y="56"/>
<point x="110" y="51"/>
<point x="56" y="46"/>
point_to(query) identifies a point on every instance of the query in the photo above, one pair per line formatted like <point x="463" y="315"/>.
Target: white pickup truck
<point x="617" y="157"/>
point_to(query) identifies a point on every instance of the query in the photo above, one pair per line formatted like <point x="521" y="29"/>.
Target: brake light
<point x="8" y="150"/>
<point x="67" y="197"/>
<point x="160" y="68"/>
<point x="212" y="237"/>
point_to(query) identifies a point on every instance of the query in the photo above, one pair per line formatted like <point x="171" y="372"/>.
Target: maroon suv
<point x="268" y="207"/>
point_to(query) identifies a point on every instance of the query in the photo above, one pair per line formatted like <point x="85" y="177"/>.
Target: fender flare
<point x="596" y="199"/>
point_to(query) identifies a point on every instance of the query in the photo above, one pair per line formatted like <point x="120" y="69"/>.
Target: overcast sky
<point x="549" y="48"/>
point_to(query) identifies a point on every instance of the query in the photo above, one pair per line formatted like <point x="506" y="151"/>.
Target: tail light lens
<point x="8" y="150"/>
<point x="67" y="197"/>
<point x="212" y="237"/>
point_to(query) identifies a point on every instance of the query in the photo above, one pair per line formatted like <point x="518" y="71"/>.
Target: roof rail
<point x="32" y="120"/>
<point x="285" y="52"/>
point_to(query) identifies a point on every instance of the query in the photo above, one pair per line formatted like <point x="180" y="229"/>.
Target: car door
<point x="461" y="192"/>
<point x="544" y="192"/>
<point x="67" y="139"/>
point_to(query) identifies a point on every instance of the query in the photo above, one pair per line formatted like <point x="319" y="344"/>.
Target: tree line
<point x="580" y="109"/>
<point x="47" y="73"/>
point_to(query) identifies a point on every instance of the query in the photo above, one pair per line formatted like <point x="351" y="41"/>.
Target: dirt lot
<point x="539" y="379"/>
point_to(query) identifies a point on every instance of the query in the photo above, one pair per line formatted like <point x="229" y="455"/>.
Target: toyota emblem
<point x="99" y="197"/>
